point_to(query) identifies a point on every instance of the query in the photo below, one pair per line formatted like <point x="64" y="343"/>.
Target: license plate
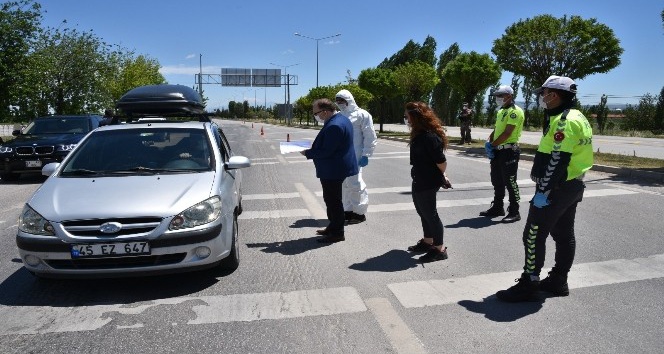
<point x="109" y="249"/>
<point x="33" y="163"/>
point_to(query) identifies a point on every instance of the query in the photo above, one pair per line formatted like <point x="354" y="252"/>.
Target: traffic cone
<point x="287" y="137"/>
<point x="262" y="133"/>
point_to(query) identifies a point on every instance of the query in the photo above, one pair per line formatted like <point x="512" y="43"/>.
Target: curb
<point x="619" y="171"/>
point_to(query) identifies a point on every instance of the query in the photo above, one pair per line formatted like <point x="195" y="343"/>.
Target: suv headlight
<point x="5" y="150"/>
<point x="32" y="223"/>
<point x="67" y="147"/>
<point x="202" y="213"/>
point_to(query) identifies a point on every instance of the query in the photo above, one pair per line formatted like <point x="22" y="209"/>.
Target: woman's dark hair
<point x="422" y="119"/>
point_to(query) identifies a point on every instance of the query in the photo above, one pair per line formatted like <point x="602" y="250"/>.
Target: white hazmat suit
<point x="354" y="190"/>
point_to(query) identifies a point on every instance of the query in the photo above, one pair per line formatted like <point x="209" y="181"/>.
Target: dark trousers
<point x="465" y="132"/>
<point x="425" y="205"/>
<point x="504" y="167"/>
<point x="334" y="205"/>
<point x="556" y="219"/>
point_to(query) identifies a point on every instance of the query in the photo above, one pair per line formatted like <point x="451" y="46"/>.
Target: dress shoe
<point x="331" y="239"/>
<point x="322" y="232"/>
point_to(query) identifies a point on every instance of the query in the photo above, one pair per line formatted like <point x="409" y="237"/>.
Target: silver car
<point x="146" y="197"/>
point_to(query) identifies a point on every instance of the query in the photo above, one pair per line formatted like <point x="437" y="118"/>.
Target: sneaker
<point x="494" y="210"/>
<point x="555" y="284"/>
<point x="512" y="215"/>
<point x="433" y="255"/>
<point x="524" y="290"/>
<point x="356" y="219"/>
<point x="420" y="247"/>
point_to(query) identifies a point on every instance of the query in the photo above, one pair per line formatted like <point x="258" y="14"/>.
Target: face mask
<point x="342" y="106"/>
<point x="500" y="101"/>
<point x="318" y="119"/>
<point x="406" y="122"/>
<point x="541" y="101"/>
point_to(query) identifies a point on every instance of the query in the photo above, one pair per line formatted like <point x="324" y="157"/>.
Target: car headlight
<point x="67" y="147"/>
<point x="5" y="150"/>
<point x="202" y="213"/>
<point x="32" y="223"/>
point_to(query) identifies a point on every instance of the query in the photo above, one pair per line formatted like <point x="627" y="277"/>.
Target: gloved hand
<point x="489" y="150"/>
<point x="363" y="161"/>
<point x="540" y="200"/>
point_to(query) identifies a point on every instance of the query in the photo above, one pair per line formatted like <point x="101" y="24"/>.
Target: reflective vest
<point x="512" y="115"/>
<point x="570" y="132"/>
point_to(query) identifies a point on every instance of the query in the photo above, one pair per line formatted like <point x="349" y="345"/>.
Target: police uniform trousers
<point x="556" y="219"/>
<point x="504" y="167"/>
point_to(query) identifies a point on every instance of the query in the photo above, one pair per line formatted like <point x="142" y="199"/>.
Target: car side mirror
<point x="236" y="162"/>
<point x="49" y="168"/>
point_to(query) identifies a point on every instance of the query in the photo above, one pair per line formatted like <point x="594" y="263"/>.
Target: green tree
<point x="380" y="83"/>
<point x="130" y="71"/>
<point x="659" y="113"/>
<point x="441" y="100"/>
<point x="472" y="73"/>
<point x="641" y="116"/>
<point x="544" y="45"/>
<point x="415" y="80"/>
<point x="412" y="51"/>
<point x="19" y="29"/>
<point x="493" y="107"/>
<point x="72" y="67"/>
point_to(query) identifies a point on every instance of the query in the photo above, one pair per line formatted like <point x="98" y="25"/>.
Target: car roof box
<point x="161" y="99"/>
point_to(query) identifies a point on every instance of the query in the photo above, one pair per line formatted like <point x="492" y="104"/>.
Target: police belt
<point x="507" y="146"/>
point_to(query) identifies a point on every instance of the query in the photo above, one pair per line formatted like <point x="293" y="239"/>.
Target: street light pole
<point x="317" y="40"/>
<point x="287" y="87"/>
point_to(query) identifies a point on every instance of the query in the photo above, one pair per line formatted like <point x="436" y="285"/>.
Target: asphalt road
<point x="641" y="147"/>
<point x="367" y="294"/>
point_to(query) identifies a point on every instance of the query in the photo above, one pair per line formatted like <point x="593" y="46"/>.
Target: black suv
<point x="44" y="140"/>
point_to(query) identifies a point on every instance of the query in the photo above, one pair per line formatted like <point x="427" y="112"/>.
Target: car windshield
<point x="141" y="151"/>
<point x="58" y="126"/>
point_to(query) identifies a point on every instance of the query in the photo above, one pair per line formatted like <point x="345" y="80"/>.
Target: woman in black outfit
<point x="427" y="144"/>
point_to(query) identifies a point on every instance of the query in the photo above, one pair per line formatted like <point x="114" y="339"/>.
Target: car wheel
<point x="232" y="262"/>
<point x="9" y="176"/>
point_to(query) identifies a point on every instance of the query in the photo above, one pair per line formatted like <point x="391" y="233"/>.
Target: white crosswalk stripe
<point x="477" y="287"/>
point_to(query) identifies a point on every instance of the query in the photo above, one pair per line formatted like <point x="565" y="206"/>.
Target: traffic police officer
<point x="503" y="150"/>
<point x="564" y="154"/>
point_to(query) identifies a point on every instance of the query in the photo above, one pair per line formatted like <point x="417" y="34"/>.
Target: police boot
<point x="555" y="284"/>
<point x="525" y="289"/>
<point x="496" y="209"/>
<point x="512" y="214"/>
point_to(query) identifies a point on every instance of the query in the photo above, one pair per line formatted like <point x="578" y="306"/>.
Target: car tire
<point x="9" y="176"/>
<point x="232" y="262"/>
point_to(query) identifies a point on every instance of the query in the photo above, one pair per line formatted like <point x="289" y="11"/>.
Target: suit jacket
<point x="332" y="150"/>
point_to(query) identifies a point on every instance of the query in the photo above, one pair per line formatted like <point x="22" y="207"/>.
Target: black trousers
<point x="504" y="167"/>
<point x="556" y="219"/>
<point x="334" y="205"/>
<point x="465" y="132"/>
<point x="425" y="205"/>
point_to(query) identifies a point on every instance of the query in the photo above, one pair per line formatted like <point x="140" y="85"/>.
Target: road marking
<point x="317" y="210"/>
<point x="198" y="310"/>
<point x="270" y="196"/>
<point x="478" y="287"/>
<point x="401" y="337"/>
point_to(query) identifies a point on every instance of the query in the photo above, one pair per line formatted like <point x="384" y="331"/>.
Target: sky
<point x="187" y="35"/>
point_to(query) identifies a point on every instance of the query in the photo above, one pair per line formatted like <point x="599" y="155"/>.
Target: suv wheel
<point x="232" y="262"/>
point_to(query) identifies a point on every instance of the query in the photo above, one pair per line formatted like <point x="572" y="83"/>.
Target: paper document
<point x="294" y="146"/>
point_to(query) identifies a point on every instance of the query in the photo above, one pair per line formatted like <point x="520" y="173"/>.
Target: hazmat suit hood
<point x="348" y="97"/>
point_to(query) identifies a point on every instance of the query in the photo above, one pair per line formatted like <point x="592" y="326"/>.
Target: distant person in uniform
<point x="465" y="122"/>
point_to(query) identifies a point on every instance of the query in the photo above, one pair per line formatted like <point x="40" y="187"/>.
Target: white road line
<point x="312" y="203"/>
<point x="207" y="310"/>
<point x="316" y="210"/>
<point x="273" y="214"/>
<point x="478" y="287"/>
<point x="401" y="337"/>
<point x="270" y="196"/>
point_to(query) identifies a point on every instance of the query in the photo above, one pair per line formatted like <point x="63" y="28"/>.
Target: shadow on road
<point x="391" y="261"/>
<point x="498" y="311"/>
<point x="479" y="222"/>
<point x="24" y="289"/>
<point x="290" y="247"/>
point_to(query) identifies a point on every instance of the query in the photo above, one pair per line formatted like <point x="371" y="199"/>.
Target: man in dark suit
<point x="334" y="159"/>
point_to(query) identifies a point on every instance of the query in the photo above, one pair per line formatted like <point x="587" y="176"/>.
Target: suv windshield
<point x="149" y="150"/>
<point x="58" y="126"/>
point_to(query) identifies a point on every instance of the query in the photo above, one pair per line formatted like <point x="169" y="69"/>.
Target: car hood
<point x="61" y="198"/>
<point x="46" y="139"/>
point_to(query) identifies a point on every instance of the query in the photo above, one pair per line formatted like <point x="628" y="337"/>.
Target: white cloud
<point x="192" y="55"/>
